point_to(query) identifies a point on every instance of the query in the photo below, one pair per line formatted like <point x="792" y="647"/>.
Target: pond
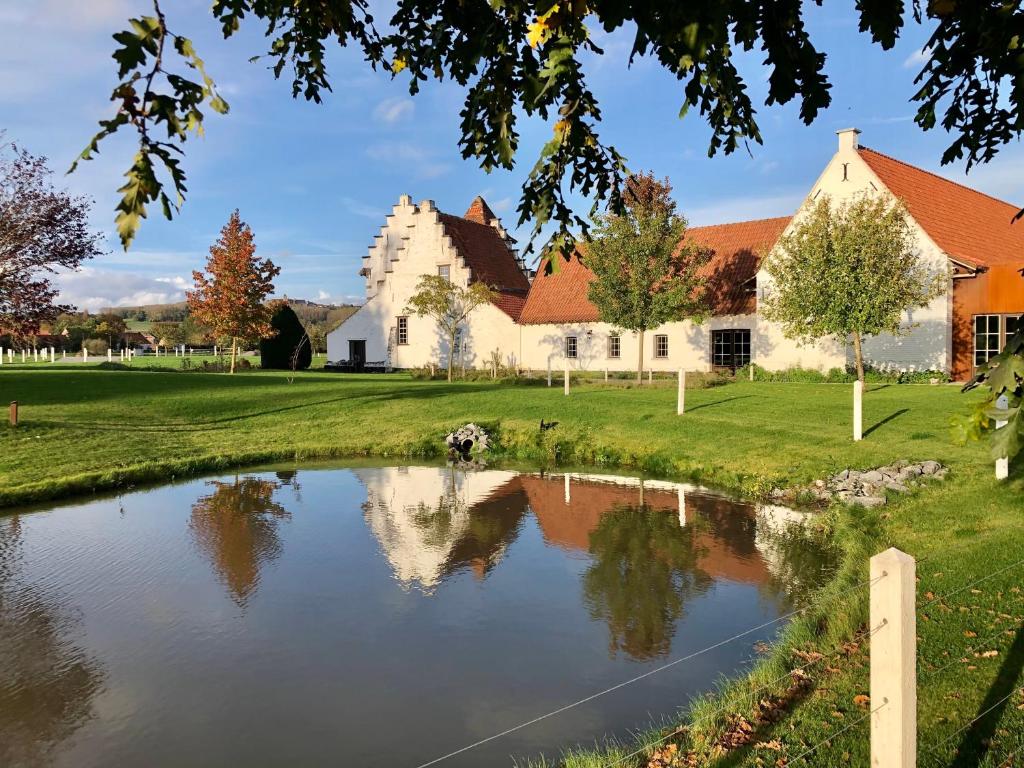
<point x="376" y="616"/>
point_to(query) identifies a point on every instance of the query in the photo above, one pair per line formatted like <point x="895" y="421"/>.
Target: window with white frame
<point x="614" y="346"/>
<point x="991" y="332"/>
<point x="445" y="271"/>
<point x="988" y="337"/>
<point x="661" y="345"/>
<point x="570" y="347"/>
<point x="402" y="333"/>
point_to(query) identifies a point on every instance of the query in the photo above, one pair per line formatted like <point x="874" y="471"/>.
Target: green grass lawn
<point x="85" y="428"/>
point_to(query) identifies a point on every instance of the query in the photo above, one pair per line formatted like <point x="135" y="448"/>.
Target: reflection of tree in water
<point x="643" y="573"/>
<point x="236" y="527"/>
<point x="802" y="557"/>
<point x="47" y="682"/>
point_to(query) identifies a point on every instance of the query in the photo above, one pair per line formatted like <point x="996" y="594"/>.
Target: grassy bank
<point x="84" y="428"/>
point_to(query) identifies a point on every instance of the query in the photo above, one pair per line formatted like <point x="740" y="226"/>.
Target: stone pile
<point x="867" y="488"/>
<point x="467" y="440"/>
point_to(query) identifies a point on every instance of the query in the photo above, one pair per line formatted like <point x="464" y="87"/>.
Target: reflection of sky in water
<point x="267" y="619"/>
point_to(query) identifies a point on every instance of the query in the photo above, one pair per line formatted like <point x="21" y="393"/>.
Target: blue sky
<point x="315" y="181"/>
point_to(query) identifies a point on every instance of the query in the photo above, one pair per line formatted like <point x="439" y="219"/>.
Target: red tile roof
<point x="511" y="303"/>
<point x="968" y="225"/>
<point x="736" y="251"/>
<point x="479" y="211"/>
<point x="561" y="297"/>
<point x="485" y="252"/>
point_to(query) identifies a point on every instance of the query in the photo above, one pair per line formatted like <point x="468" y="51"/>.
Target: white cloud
<point x="93" y="289"/>
<point x="917" y="59"/>
<point x="401" y="153"/>
<point x="391" y="111"/>
<point x="745" y="209"/>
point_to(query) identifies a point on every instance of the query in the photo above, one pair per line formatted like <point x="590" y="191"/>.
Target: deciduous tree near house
<point x="449" y="305"/>
<point x="1002" y="376"/>
<point x="232" y="300"/>
<point x="43" y="230"/>
<point x="849" y="271"/>
<point x="647" y="275"/>
<point x="110" y="326"/>
<point x="523" y="58"/>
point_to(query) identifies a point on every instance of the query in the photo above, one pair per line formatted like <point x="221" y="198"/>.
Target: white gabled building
<point x="420" y="240"/>
<point x="958" y="229"/>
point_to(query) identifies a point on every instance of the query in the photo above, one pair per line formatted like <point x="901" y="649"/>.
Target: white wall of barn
<point x="927" y="343"/>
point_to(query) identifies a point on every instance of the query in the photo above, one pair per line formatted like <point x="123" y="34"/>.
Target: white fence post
<point x="567" y="375"/>
<point x="858" y="410"/>
<point x="606" y="374"/>
<point x="1003" y="463"/>
<point x="681" y="396"/>
<point x="650" y="375"/>
<point x="751" y="370"/>
<point x="893" y="660"/>
<point x="568" y="493"/>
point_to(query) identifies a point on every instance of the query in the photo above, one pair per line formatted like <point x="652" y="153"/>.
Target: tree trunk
<point x="451" y="354"/>
<point x="640" y="358"/>
<point x="233" y="346"/>
<point x="858" y="356"/>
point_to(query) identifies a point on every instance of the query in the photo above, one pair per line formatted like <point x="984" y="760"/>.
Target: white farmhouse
<point x="959" y="230"/>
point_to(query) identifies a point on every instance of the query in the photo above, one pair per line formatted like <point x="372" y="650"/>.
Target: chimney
<point x="848" y="139"/>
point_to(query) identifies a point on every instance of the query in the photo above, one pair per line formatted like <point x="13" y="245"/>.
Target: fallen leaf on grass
<point x="969" y="633"/>
<point x="861" y="700"/>
<point x="988" y="654"/>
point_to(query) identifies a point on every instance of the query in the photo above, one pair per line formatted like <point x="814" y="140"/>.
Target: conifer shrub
<point x="289" y="347"/>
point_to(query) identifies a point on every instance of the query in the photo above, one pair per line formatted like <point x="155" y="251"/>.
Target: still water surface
<point x="374" y="616"/>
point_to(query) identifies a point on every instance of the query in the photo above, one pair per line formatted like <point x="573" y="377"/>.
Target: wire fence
<point x="688" y="657"/>
<point x="892" y="711"/>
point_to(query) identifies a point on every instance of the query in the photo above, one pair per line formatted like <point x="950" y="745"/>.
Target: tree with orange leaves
<point x="232" y="300"/>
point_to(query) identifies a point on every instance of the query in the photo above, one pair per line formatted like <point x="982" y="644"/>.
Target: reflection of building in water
<point x="433" y="521"/>
<point x="725" y="530"/>
<point x="47" y="682"/>
<point x="236" y="528"/>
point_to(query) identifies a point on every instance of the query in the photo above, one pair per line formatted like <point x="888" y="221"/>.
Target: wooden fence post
<point x="681" y="395"/>
<point x="1002" y="463"/>
<point x="606" y="374"/>
<point x="858" y="410"/>
<point x="14" y="413"/>
<point x="549" y="370"/>
<point x="893" y="660"/>
<point x="567" y="375"/>
<point x="650" y="375"/>
<point x="751" y="370"/>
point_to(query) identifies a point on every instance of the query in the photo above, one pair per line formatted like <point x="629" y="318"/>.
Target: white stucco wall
<point x="928" y="343"/>
<point x="412" y="243"/>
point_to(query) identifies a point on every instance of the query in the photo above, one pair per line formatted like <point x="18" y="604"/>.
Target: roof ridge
<point x="939" y="177"/>
<point x="745" y="221"/>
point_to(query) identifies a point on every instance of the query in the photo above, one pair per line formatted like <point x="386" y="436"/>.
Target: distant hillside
<point x="140" y="317"/>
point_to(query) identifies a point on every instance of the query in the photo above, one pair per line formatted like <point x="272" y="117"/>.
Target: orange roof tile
<point x="561" y="297"/>
<point x="485" y="252"/>
<point x="968" y="225"/>
<point x="511" y="303"/>
<point x="736" y="251"/>
<point x="479" y="211"/>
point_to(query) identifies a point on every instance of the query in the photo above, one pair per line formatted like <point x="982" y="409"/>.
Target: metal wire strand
<point x="642" y="676"/>
<point x="711" y="716"/>
<point x="973" y="583"/>
<point x="970" y="648"/>
<point x="944" y="742"/>
<point x="803" y="755"/>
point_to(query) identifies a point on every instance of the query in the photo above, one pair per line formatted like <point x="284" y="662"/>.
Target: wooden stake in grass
<point x="567" y="375"/>
<point x="681" y="394"/>
<point x="858" y="410"/>
<point x="14" y="413"/>
<point x="893" y="660"/>
<point x="1003" y="463"/>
